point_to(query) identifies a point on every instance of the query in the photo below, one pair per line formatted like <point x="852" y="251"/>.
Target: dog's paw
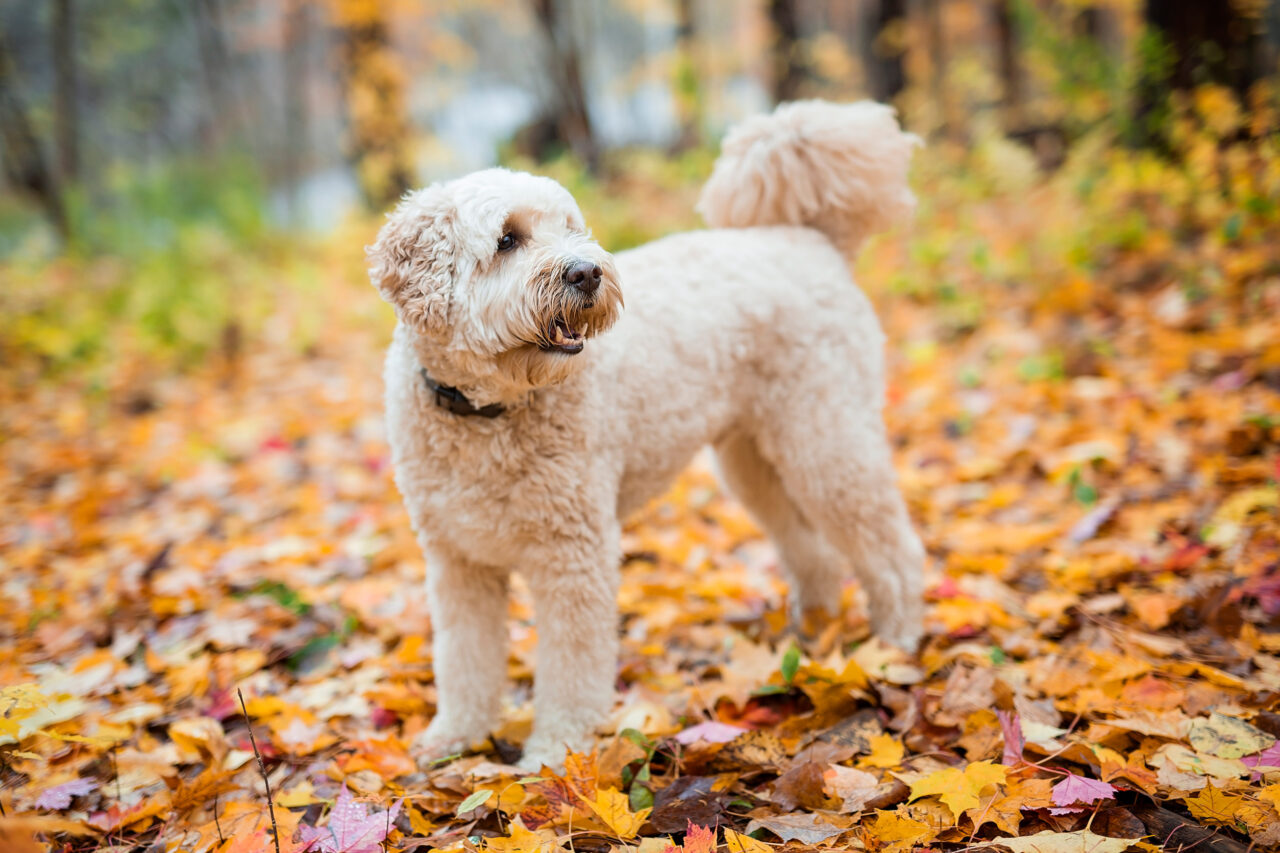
<point x="536" y="756"/>
<point x="905" y="637"/>
<point x="438" y="744"/>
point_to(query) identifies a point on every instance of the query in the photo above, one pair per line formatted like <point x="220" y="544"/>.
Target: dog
<point x="528" y="412"/>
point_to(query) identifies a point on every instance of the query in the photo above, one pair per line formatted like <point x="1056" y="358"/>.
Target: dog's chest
<point x="492" y="492"/>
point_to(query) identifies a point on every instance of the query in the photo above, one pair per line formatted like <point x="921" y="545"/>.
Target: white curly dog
<point x="528" y="413"/>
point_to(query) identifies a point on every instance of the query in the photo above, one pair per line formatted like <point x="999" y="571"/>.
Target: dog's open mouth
<point x="563" y="337"/>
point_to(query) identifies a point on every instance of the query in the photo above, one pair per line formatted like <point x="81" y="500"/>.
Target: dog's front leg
<point x="576" y="608"/>
<point x="468" y="605"/>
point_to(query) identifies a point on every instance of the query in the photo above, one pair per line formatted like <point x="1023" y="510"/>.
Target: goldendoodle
<point x="529" y="413"/>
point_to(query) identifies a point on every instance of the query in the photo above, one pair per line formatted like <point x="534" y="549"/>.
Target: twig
<point x="262" y="768"/>
<point x="115" y="770"/>
<point x="221" y="840"/>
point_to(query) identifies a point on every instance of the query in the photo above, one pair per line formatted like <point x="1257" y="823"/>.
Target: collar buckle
<point x="450" y="398"/>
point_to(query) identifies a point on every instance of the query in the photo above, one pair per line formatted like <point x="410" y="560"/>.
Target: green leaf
<point x="473" y="802"/>
<point x="790" y="663"/>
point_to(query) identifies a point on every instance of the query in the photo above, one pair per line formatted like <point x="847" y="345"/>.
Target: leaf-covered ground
<point x="1086" y="405"/>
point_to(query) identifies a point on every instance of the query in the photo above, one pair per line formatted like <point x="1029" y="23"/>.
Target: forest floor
<point x="199" y="565"/>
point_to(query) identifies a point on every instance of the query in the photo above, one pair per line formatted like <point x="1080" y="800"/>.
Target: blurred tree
<point x="66" y="110"/>
<point x="1010" y="74"/>
<point x="947" y="107"/>
<point x="1190" y="44"/>
<point x="567" y="118"/>
<point x="883" y="48"/>
<point x="216" y="73"/>
<point x="690" y="104"/>
<point x="25" y="166"/>
<point x="380" y="138"/>
<point x="787" y="56"/>
<point x="297" y="38"/>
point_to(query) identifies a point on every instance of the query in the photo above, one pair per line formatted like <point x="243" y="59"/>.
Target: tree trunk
<point x="688" y="79"/>
<point x="379" y="134"/>
<point x="1010" y="74"/>
<point x="297" y="146"/>
<point x="790" y="71"/>
<point x="223" y="116"/>
<point x="882" y="49"/>
<point x="1202" y="43"/>
<point x="936" y="44"/>
<point x="568" y="109"/>
<point x="65" y="105"/>
<point x="25" y="166"/>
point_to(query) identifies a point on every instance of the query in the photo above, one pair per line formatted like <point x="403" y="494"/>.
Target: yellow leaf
<point x="959" y="790"/>
<point x="1271" y="794"/>
<point x="1214" y="805"/>
<point x="886" y="751"/>
<point x="613" y="808"/>
<point x="899" y="832"/>
<point x="739" y="843"/>
<point x="522" y="840"/>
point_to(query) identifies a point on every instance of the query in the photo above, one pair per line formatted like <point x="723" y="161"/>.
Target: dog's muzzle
<point x="566" y="335"/>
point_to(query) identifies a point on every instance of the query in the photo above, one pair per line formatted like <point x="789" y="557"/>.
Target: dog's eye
<point x="506" y="242"/>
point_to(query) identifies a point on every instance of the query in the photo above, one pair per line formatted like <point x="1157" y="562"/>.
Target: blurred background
<point x="1083" y="347"/>
<point x="168" y="166"/>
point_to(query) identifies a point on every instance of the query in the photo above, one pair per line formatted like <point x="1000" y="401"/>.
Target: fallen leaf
<point x="614" y="808"/>
<point x="1061" y="842"/>
<point x="1079" y="789"/>
<point x="803" y="827"/>
<point x="959" y="789"/>
<point x="350" y="828"/>
<point x="1227" y="737"/>
<point x="59" y="796"/>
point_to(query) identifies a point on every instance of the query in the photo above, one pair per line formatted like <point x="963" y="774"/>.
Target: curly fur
<point x="751" y="338"/>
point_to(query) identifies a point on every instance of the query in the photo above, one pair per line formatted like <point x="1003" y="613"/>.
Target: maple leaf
<point x="519" y="839"/>
<point x="614" y="808"/>
<point x="350" y="828"/>
<point x="699" y="839"/>
<point x="1214" y="806"/>
<point x="1079" y="789"/>
<point x="59" y="796"/>
<point x="886" y="751"/>
<point x="899" y="832"/>
<point x="1260" y="762"/>
<point x="190" y="794"/>
<point x="959" y="790"/>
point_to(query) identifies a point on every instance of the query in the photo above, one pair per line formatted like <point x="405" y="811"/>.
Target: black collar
<point x="455" y="401"/>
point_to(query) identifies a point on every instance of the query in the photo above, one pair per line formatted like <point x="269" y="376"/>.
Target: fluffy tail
<point x="839" y="168"/>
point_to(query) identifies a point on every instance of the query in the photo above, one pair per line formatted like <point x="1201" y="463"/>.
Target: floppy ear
<point x="412" y="263"/>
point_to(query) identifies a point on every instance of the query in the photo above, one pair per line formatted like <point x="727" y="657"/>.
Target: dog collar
<point x="448" y="397"/>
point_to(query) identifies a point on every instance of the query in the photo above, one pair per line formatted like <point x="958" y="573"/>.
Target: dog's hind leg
<point x="468" y="605"/>
<point x="842" y="478"/>
<point x="813" y="567"/>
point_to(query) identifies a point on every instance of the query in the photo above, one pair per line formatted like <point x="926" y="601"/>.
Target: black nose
<point x="583" y="275"/>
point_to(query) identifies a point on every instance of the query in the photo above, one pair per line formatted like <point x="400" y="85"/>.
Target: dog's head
<point x="498" y="280"/>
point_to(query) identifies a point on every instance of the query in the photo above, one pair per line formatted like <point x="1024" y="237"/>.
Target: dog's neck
<point x="481" y="383"/>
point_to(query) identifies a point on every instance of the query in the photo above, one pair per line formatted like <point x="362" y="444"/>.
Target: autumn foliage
<point x="1085" y="405"/>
